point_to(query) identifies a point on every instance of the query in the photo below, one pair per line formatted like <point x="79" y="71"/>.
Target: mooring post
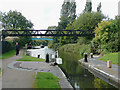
<point x="47" y="58"/>
<point x="85" y="59"/>
<point x="91" y="54"/>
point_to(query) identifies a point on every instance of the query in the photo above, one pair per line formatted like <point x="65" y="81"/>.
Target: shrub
<point x="7" y="46"/>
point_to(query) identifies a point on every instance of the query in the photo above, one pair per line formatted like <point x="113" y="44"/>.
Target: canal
<point x="78" y="76"/>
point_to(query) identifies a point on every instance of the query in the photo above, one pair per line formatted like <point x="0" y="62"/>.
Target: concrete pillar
<point x="109" y="64"/>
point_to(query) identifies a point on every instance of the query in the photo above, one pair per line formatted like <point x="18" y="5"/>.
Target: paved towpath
<point x="96" y="65"/>
<point x="21" y="74"/>
<point x="15" y="78"/>
<point x="41" y="67"/>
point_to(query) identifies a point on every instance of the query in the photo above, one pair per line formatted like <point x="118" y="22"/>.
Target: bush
<point x="7" y="46"/>
<point x="106" y="36"/>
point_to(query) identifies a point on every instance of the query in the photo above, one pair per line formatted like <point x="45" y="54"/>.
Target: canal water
<point x="78" y="76"/>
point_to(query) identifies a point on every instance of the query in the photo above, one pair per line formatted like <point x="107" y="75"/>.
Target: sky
<point x="44" y="13"/>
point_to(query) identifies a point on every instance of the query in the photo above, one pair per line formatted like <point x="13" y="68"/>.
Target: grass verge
<point x="29" y="58"/>
<point x="46" y="80"/>
<point x="76" y="48"/>
<point x="112" y="57"/>
<point x="8" y="54"/>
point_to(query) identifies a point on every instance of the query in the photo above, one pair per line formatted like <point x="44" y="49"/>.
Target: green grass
<point x="111" y="56"/>
<point x="46" y="80"/>
<point x="29" y="58"/>
<point x="76" y="48"/>
<point x="8" y="54"/>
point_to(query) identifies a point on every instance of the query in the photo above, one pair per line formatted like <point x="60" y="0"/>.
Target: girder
<point x="47" y="33"/>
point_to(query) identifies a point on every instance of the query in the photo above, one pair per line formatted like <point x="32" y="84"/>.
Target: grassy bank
<point x="46" y="80"/>
<point x="7" y="54"/>
<point x="29" y="58"/>
<point x="110" y="56"/>
<point x="76" y="48"/>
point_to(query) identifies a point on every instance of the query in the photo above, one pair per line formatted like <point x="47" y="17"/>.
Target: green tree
<point x="88" y="6"/>
<point x="51" y="28"/>
<point x="68" y="14"/>
<point x="99" y="7"/>
<point x="15" y="20"/>
<point x="106" y="35"/>
<point x="88" y="21"/>
<point x="1" y="20"/>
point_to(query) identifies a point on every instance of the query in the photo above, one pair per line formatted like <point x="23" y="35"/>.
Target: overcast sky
<point x="44" y="13"/>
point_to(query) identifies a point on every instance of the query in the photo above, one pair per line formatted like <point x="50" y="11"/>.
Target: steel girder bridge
<point x="47" y="33"/>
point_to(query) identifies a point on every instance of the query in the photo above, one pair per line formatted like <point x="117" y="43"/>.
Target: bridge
<point x="47" y="33"/>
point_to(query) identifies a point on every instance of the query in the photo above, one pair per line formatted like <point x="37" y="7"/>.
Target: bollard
<point x="109" y="64"/>
<point x="85" y="59"/>
<point x="38" y="56"/>
<point x="47" y="58"/>
<point x="91" y="54"/>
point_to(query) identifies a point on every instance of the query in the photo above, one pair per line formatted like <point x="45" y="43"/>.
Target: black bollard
<point x="38" y="56"/>
<point x="85" y="59"/>
<point x="47" y="58"/>
<point x="91" y="54"/>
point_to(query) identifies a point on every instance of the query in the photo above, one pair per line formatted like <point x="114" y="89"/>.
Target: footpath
<point x="15" y="78"/>
<point x="21" y="74"/>
<point x="100" y="69"/>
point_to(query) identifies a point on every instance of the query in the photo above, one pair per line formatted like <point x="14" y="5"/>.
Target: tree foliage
<point x="15" y="20"/>
<point x="106" y="35"/>
<point x="88" y="21"/>
<point x="88" y="7"/>
<point x="99" y="7"/>
<point x="68" y="14"/>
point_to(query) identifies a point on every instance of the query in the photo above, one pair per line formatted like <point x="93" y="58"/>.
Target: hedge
<point x="7" y="46"/>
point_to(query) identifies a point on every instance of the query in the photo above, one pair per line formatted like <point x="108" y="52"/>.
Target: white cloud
<point x="44" y="13"/>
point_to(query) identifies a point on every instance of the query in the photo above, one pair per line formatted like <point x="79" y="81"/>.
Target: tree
<point x="86" y="21"/>
<point x="88" y="6"/>
<point x="51" y="28"/>
<point x="68" y="14"/>
<point x="15" y="21"/>
<point x="99" y="7"/>
<point x="0" y="20"/>
<point x="106" y="35"/>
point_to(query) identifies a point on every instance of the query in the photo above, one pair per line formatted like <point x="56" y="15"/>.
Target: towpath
<point x="21" y="74"/>
<point x="99" y="68"/>
<point x="15" y="78"/>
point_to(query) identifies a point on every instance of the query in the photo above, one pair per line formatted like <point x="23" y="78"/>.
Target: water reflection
<point x="78" y="76"/>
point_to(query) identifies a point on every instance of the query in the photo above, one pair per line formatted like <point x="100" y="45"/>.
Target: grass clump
<point x="46" y="80"/>
<point x="30" y="58"/>
<point x="8" y="54"/>
<point x="110" y="56"/>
